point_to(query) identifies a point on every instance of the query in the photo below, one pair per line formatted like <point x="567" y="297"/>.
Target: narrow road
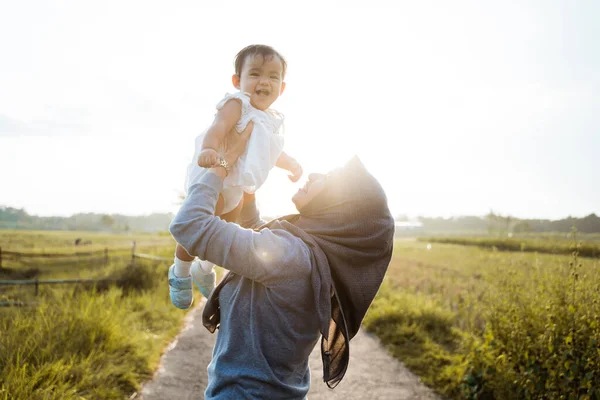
<point x="372" y="374"/>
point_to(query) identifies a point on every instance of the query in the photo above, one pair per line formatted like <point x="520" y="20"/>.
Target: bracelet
<point x="224" y="164"/>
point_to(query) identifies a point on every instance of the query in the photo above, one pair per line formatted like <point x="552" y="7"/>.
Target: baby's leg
<point x="234" y="214"/>
<point x="183" y="262"/>
<point x="182" y="253"/>
<point x="220" y="205"/>
<point x="180" y="285"/>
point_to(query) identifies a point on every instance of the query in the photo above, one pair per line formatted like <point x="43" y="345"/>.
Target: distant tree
<point x="13" y="218"/>
<point x="508" y="219"/>
<point x="589" y="224"/>
<point x="401" y="217"/>
<point x="499" y="222"/>
<point x="491" y="219"/>
<point x="107" y="221"/>
<point x="522" y="227"/>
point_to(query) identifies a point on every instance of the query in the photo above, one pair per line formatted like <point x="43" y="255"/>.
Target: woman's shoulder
<point x="288" y="248"/>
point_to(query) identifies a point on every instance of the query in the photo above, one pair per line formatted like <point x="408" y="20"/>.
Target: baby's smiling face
<point x="262" y="78"/>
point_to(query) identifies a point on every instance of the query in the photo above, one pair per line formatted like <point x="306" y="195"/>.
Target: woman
<point x="292" y="280"/>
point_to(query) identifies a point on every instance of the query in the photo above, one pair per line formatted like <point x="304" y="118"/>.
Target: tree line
<point x="14" y="218"/>
<point x="495" y="223"/>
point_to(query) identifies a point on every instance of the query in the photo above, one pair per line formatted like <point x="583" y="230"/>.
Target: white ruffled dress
<point x="252" y="168"/>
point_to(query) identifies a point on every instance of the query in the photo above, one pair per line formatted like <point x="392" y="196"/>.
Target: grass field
<point x="64" y="241"/>
<point x="83" y="341"/>
<point x="58" y="242"/>
<point x="589" y="245"/>
<point x="472" y="321"/>
<point x="475" y="322"/>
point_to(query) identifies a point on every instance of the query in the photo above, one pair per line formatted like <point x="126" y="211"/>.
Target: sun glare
<point x="452" y="107"/>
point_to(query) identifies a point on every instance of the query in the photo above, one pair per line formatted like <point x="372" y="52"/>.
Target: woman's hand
<point x="235" y="143"/>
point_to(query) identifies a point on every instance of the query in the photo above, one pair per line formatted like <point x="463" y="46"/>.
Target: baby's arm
<point x="287" y="162"/>
<point x="225" y="121"/>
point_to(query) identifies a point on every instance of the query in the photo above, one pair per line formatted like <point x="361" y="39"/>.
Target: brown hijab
<point x="350" y="231"/>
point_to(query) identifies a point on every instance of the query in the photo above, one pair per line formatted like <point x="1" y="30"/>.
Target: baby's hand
<point x="208" y="158"/>
<point x="296" y="172"/>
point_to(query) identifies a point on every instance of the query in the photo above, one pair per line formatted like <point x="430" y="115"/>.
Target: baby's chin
<point x="260" y="108"/>
<point x="262" y="105"/>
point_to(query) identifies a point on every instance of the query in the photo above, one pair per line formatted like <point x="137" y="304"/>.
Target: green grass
<point x="421" y="333"/>
<point x="542" y="244"/>
<point x="63" y="241"/>
<point x="473" y="322"/>
<point x="480" y="323"/>
<point x="85" y="341"/>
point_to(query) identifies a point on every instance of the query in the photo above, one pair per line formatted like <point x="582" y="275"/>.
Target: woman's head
<point x="313" y="186"/>
<point x="345" y="220"/>
<point x="260" y="71"/>
<point x="350" y="185"/>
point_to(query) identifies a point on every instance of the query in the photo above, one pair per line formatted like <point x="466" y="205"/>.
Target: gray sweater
<point x="268" y="324"/>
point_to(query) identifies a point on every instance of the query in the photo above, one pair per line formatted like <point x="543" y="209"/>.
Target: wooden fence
<point x="38" y="282"/>
<point x="18" y="255"/>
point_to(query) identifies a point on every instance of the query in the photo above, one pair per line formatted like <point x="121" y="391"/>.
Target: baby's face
<point x="262" y="79"/>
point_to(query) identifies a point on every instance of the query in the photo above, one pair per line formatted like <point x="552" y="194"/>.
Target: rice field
<point x="95" y="341"/>
<point x="475" y="322"/>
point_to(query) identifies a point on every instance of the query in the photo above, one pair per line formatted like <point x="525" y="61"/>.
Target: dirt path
<point x="372" y="374"/>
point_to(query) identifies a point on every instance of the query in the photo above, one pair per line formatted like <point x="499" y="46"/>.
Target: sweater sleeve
<point x="250" y="216"/>
<point x="267" y="256"/>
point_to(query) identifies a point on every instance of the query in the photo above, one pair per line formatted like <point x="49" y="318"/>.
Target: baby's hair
<point x="254" y="50"/>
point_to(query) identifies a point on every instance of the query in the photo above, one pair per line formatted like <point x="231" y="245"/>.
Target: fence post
<point x="133" y="253"/>
<point x="105" y="256"/>
<point x="0" y="257"/>
<point x="37" y="285"/>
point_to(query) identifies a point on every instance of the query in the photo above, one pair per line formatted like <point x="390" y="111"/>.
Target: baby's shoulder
<point x="276" y="120"/>
<point x="244" y="99"/>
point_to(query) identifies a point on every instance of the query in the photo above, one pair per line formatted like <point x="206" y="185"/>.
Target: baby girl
<point x="259" y="74"/>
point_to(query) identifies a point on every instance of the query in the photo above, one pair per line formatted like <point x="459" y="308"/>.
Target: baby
<point x="259" y="74"/>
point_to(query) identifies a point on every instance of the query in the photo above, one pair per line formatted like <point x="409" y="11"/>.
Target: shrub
<point x="480" y="324"/>
<point x="540" y="341"/>
<point x="420" y="333"/>
<point x="87" y="343"/>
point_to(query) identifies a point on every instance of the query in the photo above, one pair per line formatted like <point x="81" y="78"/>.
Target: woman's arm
<point x="268" y="256"/>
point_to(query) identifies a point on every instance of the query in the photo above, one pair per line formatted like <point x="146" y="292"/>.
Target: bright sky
<point x="456" y="107"/>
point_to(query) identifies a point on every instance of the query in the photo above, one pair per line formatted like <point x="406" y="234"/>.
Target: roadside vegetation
<point x="65" y="241"/>
<point x="473" y="322"/>
<point x="478" y="323"/>
<point x="93" y="341"/>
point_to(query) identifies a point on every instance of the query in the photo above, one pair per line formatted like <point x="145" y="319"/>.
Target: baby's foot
<point x="180" y="290"/>
<point x="204" y="280"/>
